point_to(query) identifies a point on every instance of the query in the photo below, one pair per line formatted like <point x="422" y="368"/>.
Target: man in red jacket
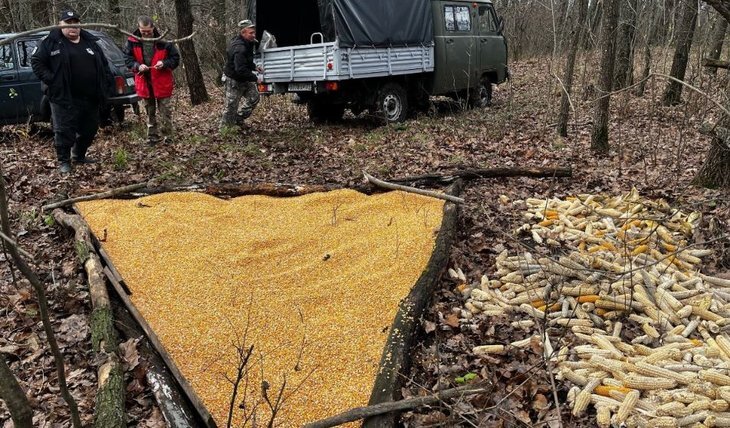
<point x="153" y="63"/>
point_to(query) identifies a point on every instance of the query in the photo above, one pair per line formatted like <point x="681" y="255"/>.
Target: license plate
<point x="130" y="81"/>
<point x="300" y="87"/>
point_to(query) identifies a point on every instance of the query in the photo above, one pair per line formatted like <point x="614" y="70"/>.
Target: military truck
<point x="386" y="56"/>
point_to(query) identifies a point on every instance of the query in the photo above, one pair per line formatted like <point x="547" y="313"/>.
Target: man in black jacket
<point x="240" y="77"/>
<point x="77" y="79"/>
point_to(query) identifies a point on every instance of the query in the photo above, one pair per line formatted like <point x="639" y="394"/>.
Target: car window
<point x="112" y="51"/>
<point x="457" y="18"/>
<point x="486" y="20"/>
<point x="25" y="51"/>
<point x="6" y="57"/>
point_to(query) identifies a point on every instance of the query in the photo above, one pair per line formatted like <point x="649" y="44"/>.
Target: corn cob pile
<point x="650" y="345"/>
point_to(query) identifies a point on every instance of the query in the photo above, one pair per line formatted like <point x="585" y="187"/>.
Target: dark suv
<point x="21" y="97"/>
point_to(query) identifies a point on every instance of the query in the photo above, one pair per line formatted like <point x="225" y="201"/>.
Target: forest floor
<point x="655" y="149"/>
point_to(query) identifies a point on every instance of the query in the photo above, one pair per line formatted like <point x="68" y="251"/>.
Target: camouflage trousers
<point x="153" y="107"/>
<point x="244" y="93"/>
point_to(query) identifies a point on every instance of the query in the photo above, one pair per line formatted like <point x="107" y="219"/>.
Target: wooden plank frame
<point x="395" y="360"/>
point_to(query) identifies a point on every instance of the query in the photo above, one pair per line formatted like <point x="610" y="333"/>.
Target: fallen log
<point x="103" y="195"/>
<point x="395" y="359"/>
<point x="471" y="174"/>
<point x="109" y="410"/>
<point x="396" y="406"/>
<point x="715" y="63"/>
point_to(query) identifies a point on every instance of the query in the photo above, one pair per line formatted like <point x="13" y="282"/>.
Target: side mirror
<point x="500" y="25"/>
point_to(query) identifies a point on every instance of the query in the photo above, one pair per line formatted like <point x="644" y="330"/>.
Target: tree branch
<point x="93" y="25"/>
<point x="437" y="195"/>
<point x="715" y="63"/>
<point x="392" y="406"/>
<point x="10" y="241"/>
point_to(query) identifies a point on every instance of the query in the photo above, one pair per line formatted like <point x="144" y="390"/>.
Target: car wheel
<point x="392" y="103"/>
<point x="481" y="96"/>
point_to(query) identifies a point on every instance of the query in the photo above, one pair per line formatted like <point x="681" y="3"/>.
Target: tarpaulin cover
<point x="355" y="22"/>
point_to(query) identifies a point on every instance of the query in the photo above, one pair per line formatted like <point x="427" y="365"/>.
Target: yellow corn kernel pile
<point x="326" y="270"/>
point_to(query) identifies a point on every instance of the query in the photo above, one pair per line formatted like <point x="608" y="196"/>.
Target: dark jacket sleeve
<point x="129" y="60"/>
<point x="173" y="57"/>
<point x="243" y="62"/>
<point x="40" y="62"/>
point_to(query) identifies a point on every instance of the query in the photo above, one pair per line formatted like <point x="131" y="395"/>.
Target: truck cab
<point x="470" y="50"/>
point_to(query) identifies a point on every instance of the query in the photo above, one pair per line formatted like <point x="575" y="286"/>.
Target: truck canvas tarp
<point x="377" y="23"/>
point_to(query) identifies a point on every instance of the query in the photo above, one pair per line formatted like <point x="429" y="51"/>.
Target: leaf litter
<point x="655" y="149"/>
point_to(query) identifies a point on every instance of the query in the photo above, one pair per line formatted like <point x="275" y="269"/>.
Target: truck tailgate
<point x="306" y="63"/>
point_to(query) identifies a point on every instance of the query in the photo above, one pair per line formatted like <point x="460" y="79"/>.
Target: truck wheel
<point x="392" y="103"/>
<point x="481" y="96"/>
<point x="320" y="111"/>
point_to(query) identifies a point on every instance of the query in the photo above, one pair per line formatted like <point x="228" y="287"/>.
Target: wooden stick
<point x="392" y="406"/>
<point x="103" y="195"/>
<point x="10" y="241"/>
<point x="386" y="185"/>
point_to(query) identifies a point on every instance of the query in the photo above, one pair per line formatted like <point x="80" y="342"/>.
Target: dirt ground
<point x="655" y="149"/>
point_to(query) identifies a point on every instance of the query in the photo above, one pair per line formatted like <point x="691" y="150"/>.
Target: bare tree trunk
<point x="599" y="136"/>
<point x="721" y="6"/>
<point x="14" y="397"/>
<point x="649" y="36"/>
<point x="673" y="94"/>
<point x="594" y="16"/>
<point x="580" y="23"/>
<point x="715" y="172"/>
<point x="41" y="12"/>
<point x="625" y="45"/>
<point x="718" y="39"/>
<point x="219" y="15"/>
<point x="196" y="83"/>
<point x="115" y="11"/>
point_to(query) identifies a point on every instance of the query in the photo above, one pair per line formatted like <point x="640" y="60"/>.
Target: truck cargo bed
<point x="327" y="61"/>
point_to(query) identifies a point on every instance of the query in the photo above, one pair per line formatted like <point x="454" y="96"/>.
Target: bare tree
<point x="196" y="82"/>
<point x="718" y="39"/>
<point x="652" y="24"/>
<point x="599" y="136"/>
<point x="570" y="67"/>
<point x="624" y="71"/>
<point x="14" y="397"/>
<point x="686" y="29"/>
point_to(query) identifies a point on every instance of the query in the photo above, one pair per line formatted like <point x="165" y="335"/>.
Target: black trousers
<point x="74" y="128"/>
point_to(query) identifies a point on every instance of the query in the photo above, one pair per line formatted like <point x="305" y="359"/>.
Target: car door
<point x="460" y="45"/>
<point x="492" y="49"/>
<point x="30" y="86"/>
<point x="11" y="103"/>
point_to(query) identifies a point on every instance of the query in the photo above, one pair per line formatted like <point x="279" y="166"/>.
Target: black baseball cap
<point x="68" y="15"/>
